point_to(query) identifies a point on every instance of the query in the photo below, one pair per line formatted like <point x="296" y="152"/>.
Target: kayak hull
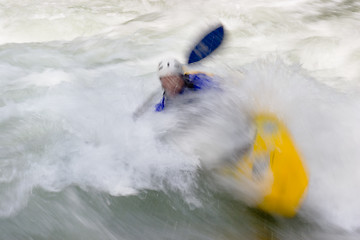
<point x="275" y="166"/>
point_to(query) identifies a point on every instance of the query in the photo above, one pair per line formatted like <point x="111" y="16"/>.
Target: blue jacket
<point x="193" y="82"/>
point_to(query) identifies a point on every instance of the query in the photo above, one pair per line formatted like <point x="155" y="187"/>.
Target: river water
<point x="74" y="164"/>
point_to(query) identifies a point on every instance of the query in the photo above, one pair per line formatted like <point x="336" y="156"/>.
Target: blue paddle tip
<point x="207" y="45"/>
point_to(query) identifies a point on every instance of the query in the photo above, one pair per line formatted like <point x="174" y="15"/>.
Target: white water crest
<point x="73" y="72"/>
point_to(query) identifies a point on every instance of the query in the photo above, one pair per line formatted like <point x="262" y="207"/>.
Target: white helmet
<point x="170" y="66"/>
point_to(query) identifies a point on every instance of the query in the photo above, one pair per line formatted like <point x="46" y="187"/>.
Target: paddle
<point x="208" y="44"/>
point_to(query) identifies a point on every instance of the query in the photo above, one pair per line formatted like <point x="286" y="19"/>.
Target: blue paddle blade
<point x="207" y="45"/>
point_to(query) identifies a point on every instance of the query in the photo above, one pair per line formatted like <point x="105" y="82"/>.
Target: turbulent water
<point x="74" y="164"/>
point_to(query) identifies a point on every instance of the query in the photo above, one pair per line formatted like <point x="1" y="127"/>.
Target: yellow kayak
<point x="275" y="166"/>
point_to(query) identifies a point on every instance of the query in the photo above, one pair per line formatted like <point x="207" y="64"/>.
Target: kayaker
<point x="175" y="81"/>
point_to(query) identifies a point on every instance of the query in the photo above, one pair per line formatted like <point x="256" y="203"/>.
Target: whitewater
<point x="74" y="164"/>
